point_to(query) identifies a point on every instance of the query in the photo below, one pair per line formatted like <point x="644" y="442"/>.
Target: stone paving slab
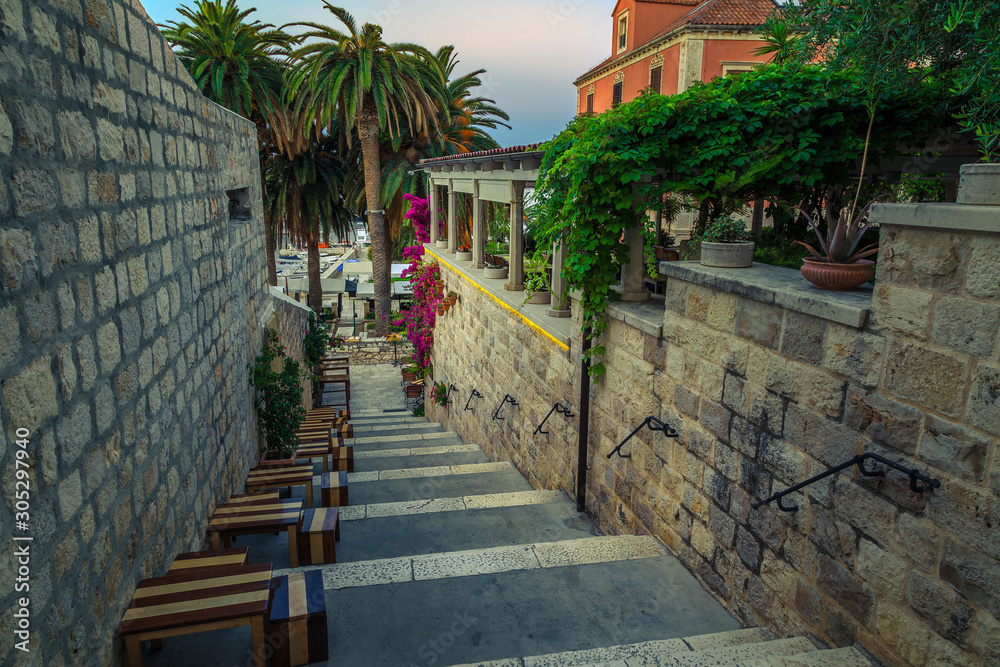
<point x="475" y="562"/>
<point x="424" y="506"/>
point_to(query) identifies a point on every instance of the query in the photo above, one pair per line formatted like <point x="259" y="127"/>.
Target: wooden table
<point x="197" y="601"/>
<point x="254" y="518"/>
<point x="276" y="477"/>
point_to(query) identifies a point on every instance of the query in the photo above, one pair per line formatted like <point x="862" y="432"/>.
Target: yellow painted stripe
<point x="499" y="302"/>
<point x="194" y="605"/>
<point x="187" y="563"/>
<point x="298" y="603"/>
<point x="198" y="584"/>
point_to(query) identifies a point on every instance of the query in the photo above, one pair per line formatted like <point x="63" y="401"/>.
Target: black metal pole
<point x="581" y="455"/>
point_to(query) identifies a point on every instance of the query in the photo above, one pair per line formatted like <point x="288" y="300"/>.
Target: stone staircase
<point x="447" y="558"/>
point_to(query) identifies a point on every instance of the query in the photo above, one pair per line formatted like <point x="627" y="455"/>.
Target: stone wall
<point x="372" y="351"/>
<point x="130" y="305"/>
<point x="766" y="390"/>
<point x="293" y="323"/>
<point x="479" y="344"/>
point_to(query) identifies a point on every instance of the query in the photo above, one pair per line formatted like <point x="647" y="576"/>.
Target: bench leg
<point x="309" y="494"/>
<point x="257" y="641"/>
<point x="216" y="544"/>
<point x="293" y="546"/>
<point x="156" y="644"/>
<point x="133" y="649"/>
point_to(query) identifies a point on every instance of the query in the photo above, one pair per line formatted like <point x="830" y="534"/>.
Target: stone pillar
<point x="452" y="218"/>
<point x="634" y="272"/>
<point x="478" y="240"/>
<point x="559" y="306"/>
<point x="515" y="276"/>
<point x="435" y="202"/>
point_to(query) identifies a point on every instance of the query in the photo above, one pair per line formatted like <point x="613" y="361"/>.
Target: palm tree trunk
<point x="269" y="247"/>
<point x="368" y="129"/>
<point x="315" y="300"/>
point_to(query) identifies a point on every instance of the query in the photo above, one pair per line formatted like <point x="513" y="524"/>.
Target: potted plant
<point x="452" y="298"/>
<point x="670" y="249"/>
<point x="442" y="308"/>
<point x="278" y="400"/>
<point x="726" y="243"/>
<point x="464" y="253"/>
<point x="439" y="394"/>
<point x="495" y="271"/>
<point x="842" y="265"/>
<point x="536" y="289"/>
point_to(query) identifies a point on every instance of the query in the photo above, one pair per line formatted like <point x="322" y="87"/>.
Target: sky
<point x="532" y="49"/>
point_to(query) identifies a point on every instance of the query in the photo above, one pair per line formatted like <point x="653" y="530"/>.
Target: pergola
<point x="502" y="175"/>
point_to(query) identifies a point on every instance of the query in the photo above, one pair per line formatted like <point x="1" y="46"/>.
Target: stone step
<point x="657" y="652"/>
<point x="838" y="657"/>
<point x="418" y="457"/>
<point x="440" y="532"/>
<point x="400" y="489"/>
<point x="456" y="608"/>
<point x="739" y="655"/>
<point x="395" y="440"/>
<point x="384" y="418"/>
<point x="390" y="429"/>
<point x="428" y="505"/>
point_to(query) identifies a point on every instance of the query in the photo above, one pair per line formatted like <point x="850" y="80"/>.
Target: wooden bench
<point x="297" y="630"/>
<point x="343" y="459"/>
<point x="199" y="559"/>
<point x="318" y="536"/>
<point x="333" y="489"/>
<point x="318" y="450"/>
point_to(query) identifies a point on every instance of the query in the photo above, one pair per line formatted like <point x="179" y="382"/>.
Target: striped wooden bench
<point x="263" y="496"/>
<point x="319" y="450"/>
<point x="194" y="560"/>
<point x="343" y="459"/>
<point x="318" y="536"/>
<point x="333" y="489"/>
<point x="254" y="519"/>
<point x="264" y="479"/>
<point x="197" y="601"/>
<point x="297" y="630"/>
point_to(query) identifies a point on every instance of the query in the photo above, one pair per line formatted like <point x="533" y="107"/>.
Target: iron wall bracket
<point x="558" y="407"/>
<point x="507" y="398"/>
<point x="475" y="394"/>
<point x="859" y="461"/>
<point x="653" y="424"/>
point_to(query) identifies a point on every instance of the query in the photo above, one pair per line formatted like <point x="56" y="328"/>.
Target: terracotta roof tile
<point x="493" y="151"/>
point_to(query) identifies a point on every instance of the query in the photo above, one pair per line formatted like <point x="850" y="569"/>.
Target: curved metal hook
<point x="786" y="508"/>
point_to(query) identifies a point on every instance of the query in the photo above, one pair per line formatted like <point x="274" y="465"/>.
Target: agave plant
<point x="841" y="243"/>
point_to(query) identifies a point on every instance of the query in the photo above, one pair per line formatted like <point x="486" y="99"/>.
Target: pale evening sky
<point x="532" y="49"/>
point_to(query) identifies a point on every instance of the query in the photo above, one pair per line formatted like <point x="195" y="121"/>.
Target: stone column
<point x="477" y="229"/>
<point x="452" y="218"/>
<point x="559" y="307"/>
<point x="635" y="270"/>
<point x="515" y="276"/>
<point x="435" y="202"/>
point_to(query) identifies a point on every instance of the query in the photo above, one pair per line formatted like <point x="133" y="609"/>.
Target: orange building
<point x="667" y="45"/>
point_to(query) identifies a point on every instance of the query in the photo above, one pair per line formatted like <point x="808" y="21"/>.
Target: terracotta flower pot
<point x="672" y="255"/>
<point x="838" y="277"/>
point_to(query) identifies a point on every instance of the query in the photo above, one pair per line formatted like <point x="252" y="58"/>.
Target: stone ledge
<point x="646" y="316"/>
<point x="779" y="286"/>
<point x="956" y="217"/>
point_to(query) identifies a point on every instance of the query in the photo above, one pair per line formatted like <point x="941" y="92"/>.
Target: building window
<point x="735" y="68"/>
<point x="616" y="95"/>
<point x="590" y="103"/>
<point x="655" y="78"/>
<point x="622" y="33"/>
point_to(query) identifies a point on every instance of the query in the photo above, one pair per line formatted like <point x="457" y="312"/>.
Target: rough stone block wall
<point x="764" y="397"/>
<point x="130" y="305"/>
<point x="293" y="319"/>
<point x="368" y="352"/>
<point x="481" y="345"/>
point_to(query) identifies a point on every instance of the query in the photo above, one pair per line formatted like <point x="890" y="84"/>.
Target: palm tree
<point x="358" y="80"/>
<point x="236" y="64"/>
<point x="304" y="184"/>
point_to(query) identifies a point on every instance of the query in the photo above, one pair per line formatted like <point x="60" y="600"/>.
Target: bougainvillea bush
<point x="421" y="317"/>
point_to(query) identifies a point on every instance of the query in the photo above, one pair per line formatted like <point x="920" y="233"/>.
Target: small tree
<point x="279" y="397"/>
